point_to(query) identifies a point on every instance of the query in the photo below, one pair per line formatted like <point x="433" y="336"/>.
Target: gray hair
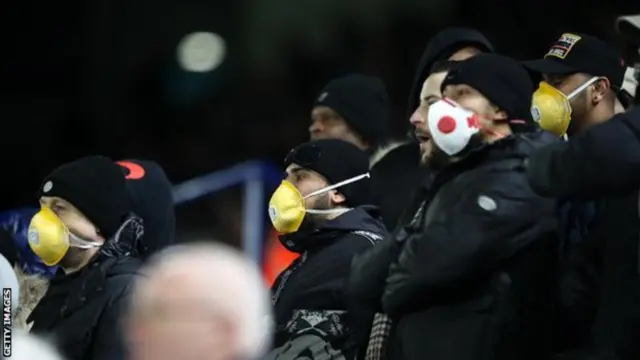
<point x="236" y="285"/>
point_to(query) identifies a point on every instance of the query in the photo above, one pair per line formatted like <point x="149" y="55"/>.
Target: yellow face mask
<point x="50" y="239"/>
<point x="287" y="205"/>
<point x="551" y="109"/>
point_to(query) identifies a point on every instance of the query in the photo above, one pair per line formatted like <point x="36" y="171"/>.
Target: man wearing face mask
<point x="397" y="166"/>
<point x="599" y="160"/>
<point x="369" y="270"/>
<point x="322" y="213"/>
<point x="597" y="170"/>
<point x="582" y="76"/>
<point x="465" y="280"/>
<point x="85" y="227"/>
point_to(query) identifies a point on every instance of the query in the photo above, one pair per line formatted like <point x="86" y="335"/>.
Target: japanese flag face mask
<point x="287" y="205"/>
<point x="451" y="126"/>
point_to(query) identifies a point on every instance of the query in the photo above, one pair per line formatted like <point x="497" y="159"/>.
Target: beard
<point x="73" y="259"/>
<point x="436" y="159"/>
<point x="313" y="221"/>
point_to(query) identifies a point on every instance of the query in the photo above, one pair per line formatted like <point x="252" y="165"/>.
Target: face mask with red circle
<point x="452" y="126"/>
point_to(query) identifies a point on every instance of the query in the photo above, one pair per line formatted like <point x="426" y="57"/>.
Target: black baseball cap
<point x="573" y="53"/>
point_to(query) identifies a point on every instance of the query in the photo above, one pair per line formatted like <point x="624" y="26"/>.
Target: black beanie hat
<point x="501" y="79"/>
<point x="96" y="186"/>
<point x="337" y="161"/>
<point x="363" y="103"/>
<point x="444" y="44"/>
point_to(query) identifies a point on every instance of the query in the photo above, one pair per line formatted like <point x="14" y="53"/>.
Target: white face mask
<point x="451" y="126"/>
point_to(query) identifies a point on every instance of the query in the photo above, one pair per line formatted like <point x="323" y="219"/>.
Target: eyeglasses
<point x="305" y="155"/>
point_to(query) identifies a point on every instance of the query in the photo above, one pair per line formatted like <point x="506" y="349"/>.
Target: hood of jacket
<point x="363" y="218"/>
<point x="442" y="46"/>
<point x="151" y="198"/>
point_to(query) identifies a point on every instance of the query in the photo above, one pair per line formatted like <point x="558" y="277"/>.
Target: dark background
<point x="100" y="77"/>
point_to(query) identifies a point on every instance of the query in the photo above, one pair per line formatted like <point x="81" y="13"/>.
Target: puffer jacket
<point x="472" y="275"/>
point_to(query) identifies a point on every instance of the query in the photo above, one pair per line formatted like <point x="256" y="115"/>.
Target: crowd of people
<point x="506" y="226"/>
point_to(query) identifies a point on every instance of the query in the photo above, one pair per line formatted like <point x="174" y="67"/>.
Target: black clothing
<point x="398" y="174"/>
<point x="151" y="198"/>
<point x="362" y="102"/>
<point x="501" y="79"/>
<point x="395" y="178"/>
<point x="83" y="311"/>
<point x="336" y="160"/>
<point x="600" y="289"/>
<point x="472" y="275"/>
<point x="96" y="186"/>
<point x="581" y="53"/>
<point x="440" y="47"/>
<point x="604" y="160"/>
<point x="308" y="297"/>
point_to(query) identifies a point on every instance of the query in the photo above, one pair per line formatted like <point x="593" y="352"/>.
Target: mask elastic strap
<point x="81" y="243"/>
<point x="334" y="186"/>
<point x="326" y="211"/>
<point x="581" y="88"/>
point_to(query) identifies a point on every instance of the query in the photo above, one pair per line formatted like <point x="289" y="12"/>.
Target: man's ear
<point x="601" y="88"/>
<point x="337" y="198"/>
<point x="501" y="115"/>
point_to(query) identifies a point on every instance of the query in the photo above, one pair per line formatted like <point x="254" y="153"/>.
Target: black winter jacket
<point x="308" y="297"/>
<point x="602" y="161"/>
<point x="83" y="311"/>
<point x="600" y="277"/>
<point x="472" y="275"/>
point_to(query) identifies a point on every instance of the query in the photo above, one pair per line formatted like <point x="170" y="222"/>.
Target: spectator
<point x="397" y="166"/>
<point x="85" y="226"/>
<point x="582" y="76"/>
<point x="464" y="278"/>
<point x="199" y="301"/>
<point x="322" y="211"/>
<point x="368" y="278"/>
<point x="597" y="171"/>
<point x="353" y="108"/>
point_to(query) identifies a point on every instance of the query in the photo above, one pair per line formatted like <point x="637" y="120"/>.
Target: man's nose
<point x="315" y="128"/>
<point x="417" y="118"/>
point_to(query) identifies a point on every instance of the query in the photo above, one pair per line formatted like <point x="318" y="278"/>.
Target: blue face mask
<point x="16" y="223"/>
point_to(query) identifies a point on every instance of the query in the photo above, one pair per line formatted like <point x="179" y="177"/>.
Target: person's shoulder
<point x="395" y="155"/>
<point x="355" y="241"/>
<point x="122" y="274"/>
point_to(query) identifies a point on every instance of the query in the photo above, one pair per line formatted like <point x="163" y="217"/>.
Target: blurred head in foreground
<point x="26" y="346"/>
<point x="200" y="301"/>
